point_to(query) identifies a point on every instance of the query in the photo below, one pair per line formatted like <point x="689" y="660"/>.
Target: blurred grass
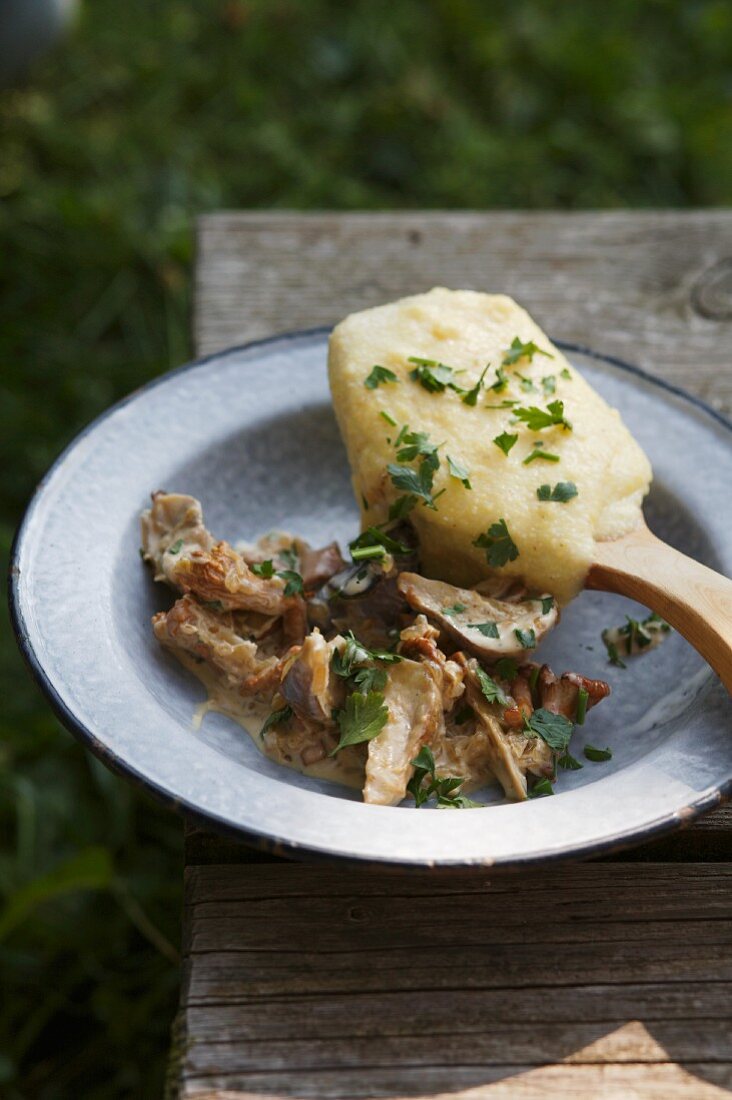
<point x="150" y="113"/>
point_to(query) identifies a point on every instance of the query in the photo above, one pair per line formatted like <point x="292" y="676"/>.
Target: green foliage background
<point x="152" y="111"/>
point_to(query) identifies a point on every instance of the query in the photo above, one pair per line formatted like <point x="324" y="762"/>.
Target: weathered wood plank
<point x="653" y="287"/>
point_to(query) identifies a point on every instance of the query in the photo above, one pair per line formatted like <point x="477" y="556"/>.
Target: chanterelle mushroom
<point x="481" y="624"/>
<point x="309" y="684"/>
<point x="415" y="718"/>
<point x="175" y="520"/>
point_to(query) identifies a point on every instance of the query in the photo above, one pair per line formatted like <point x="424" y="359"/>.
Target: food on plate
<point x="458" y="411"/>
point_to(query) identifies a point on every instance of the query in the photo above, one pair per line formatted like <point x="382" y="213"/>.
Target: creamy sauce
<point x="466" y="331"/>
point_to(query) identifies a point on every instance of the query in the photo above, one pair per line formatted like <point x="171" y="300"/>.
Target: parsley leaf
<point x="541" y="788"/>
<point x="501" y="381"/>
<point x="612" y="652"/>
<point x="490" y="688"/>
<point x="443" y="788"/>
<point x="294" y="585"/>
<point x="526" y="638"/>
<point x="276" y="718"/>
<point x="539" y="453"/>
<point x="505" y="441"/>
<point x="362" y="719"/>
<point x="459" y="472"/>
<point x="490" y="630"/>
<point x="454" y="609"/>
<point x="355" y="653"/>
<point x="389" y="419"/>
<point x="263" y="568"/>
<point x="418" y="444"/>
<point x="549" y="385"/>
<point x="433" y="376"/>
<point x="374" y="536"/>
<point x="564" y="373"/>
<point x="507" y="668"/>
<point x="547" y="603"/>
<point x="537" y="419"/>
<point x="567" y="761"/>
<point x="526" y="384"/>
<point x="369" y="679"/>
<point x="562" y="492"/>
<point x="555" y="729"/>
<point x="597" y="755"/>
<point x="176" y="547"/>
<point x="471" y="397"/>
<point x="402" y="506"/>
<point x="519" y="350"/>
<point x="498" y="545"/>
<point x="416" y="483"/>
<point x="456" y="802"/>
<point x="378" y="376"/>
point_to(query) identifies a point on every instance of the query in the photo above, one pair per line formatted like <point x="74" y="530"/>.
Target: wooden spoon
<point x="695" y="600"/>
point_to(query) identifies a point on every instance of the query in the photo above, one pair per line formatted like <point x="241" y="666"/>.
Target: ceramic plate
<point x="251" y="433"/>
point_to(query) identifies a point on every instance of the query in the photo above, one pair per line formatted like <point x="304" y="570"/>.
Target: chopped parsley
<point x="415" y="445"/>
<point x="375" y="543"/>
<point x="290" y="555"/>
<point x="507" y="668"/>
<point x="369" y="679"/>
<point x="416" y="483"/>
<point x="505" y="404"/>
<point x="537" y="419"/>
<point x="501" y="381"/>
<point x="568" y="761"/>
<point x="454" y="609"/>
<point x="526" y="638"/>
<point x="562" y="492"/>
<point x="264" y="569"/>
<point x="541" y="788"/>
<point x="294" y="585"/>
<point x="498" y="545"/>
<point x="176" y="547"/>
<point x="389" y="419"/>
<point x="444" y="788"/>
<point x="362" y="719"/>
<point x="547" y="602"/>
<point x="276" y="718"/>
<point x="612" y="652"/>
<point x="519" y="350"/>
<point x="489" y="629"/>
<point x="378" y="376"/>
<point x="505" y="441"/>
<point x="555" y="729"/>
<point x="583" y="697"/>
<point x="471" y="397"/>
<point x="433" y="376"/>
<point x="526" y="384"/>
<point x="564" y="373"/>
<point x="355" y="654"/>
<point x="597" y="755"/>
<point x="402" y="506"/>
<point x="539" y="453"/>
<point x="549" y="384"/>
<point x="459" y="472"/>
<point x="490" y="688"/>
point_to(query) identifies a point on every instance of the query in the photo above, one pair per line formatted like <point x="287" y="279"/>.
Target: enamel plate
<point x="251" y="433"/>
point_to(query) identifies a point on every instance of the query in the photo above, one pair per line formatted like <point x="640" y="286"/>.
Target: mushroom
<point x="419" y="641"/>
<point x="415" y="718"/>
<point x="318" y="566"/>
<point x="483" y="625"/>
<point x="193" y="630"/>
<point x="561" y="694"/>
<point x="175" y="520"/>
<point x="309" y="685"/>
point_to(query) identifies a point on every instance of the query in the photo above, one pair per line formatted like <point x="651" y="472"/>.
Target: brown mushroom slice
<point x="500" y="758"/>
<point x="415" y="718"/>
<point x="419" y="642"/>
<point x="171" y="527"/>
<point x="487" y="627"/>
<point x="193" y="630"/>
<point x="561" y="694"/>
<point x="309" y="684"/>
<point x="318" y="566"/>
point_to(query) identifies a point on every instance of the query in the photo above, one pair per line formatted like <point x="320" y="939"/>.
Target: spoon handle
<point x="693" y="599"/>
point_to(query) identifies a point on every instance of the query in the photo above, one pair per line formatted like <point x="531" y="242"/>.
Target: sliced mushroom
<point x="483" y="625"/>
<point x="415" y="719"/>
<point x="175" y="520"/>
<point x="309" y="684"/>
<point x="318" y="566"/>
<point x="561" y="694"/>
<point x="498" y="753"/>
<point x="188" y="628"/>
<point x="419" y="642"/>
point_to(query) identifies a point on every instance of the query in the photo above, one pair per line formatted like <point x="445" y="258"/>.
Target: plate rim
<point x="655" y="829"/>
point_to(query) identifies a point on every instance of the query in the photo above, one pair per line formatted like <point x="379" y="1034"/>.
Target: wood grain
<point x="307" y="981"/>
<point x="607" y="980"/>
<point x="692" y="598"/>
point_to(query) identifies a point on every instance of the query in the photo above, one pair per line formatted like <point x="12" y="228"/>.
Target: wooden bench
<point x="607" y="979"/>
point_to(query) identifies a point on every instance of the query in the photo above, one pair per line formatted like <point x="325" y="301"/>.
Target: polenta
<point x="457" y="410"/>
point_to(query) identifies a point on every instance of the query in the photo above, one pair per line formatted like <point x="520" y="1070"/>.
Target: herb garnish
<point x="362" y="719"/>
<point x="498" y="545"/>
<point x="549" y="385"/>
<point x="490" y="688"/>
<point x="597" y="755"/>
<point x="444" y="788"/>
<point x="505" y="441"/>
<point x="612" y="652"/>
<point x="416" y="483"/>
<point x="454" y="609"/>
<point x="471" y="397"/>
<point x="501" y="381"/>
<point x="459" y="472"/>
<point x="555" y="729"/>
<point x="389" y="419"/>
<point x="175" y="548"/>
<point x="564" y="373"/>
<point x="433" y="376"/>
<point x="526" y="384"/>
<point x="540" y="453"/>
<point x="375" y="543"/>
<point x="276" y="718"/>
<point x="567" y="761"/>
<point x="415" y="445"/>
<point x="264" y="569"/>
<point x="489" y="629"/>
<point x="519" y="350"/>
<point x="583" y="697"/>
<point x="537" y="419"/>
<point x="355" y="653"/>
<point x="507" y="668"/>
<point x="541" y="788"/>
<point x="378" y="376"/>
<point x="526" y="638"/>
<point x="562" y="492"/>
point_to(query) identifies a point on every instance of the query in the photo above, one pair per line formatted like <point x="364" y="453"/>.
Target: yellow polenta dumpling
<point x="430" y="352"/>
